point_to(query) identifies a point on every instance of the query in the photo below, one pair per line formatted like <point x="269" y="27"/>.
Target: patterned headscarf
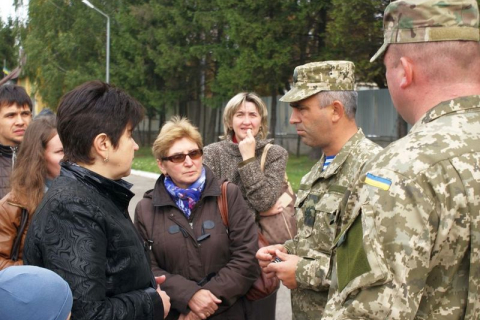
<point x="186" y="198"/>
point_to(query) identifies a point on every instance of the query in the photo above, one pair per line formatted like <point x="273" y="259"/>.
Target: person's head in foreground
<point x="28" y="292"/>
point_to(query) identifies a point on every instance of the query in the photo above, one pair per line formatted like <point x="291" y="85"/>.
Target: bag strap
<point x="263" y="159"/>
<point x="18" y="239"/>
<point x="264" y="156"/>
<point x="222" y="204"/>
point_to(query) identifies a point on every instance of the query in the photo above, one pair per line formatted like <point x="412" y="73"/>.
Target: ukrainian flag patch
<point x="378" y="182"/>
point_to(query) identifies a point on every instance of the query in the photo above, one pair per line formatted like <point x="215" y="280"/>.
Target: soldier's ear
<point x="338" y="112"/>
<point x="406" y="76"/>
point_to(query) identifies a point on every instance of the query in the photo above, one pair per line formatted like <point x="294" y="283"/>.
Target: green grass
<point x="296" y="167"/>
<point x="145" y="161"/>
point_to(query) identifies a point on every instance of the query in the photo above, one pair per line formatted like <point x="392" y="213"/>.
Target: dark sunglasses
<point x="179" y="158"/>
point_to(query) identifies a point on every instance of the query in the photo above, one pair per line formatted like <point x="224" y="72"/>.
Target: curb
<point x="145" y="174"/>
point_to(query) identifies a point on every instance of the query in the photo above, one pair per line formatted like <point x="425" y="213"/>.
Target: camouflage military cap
<point x="407" y="21"/>
<point x="311" y="78"/>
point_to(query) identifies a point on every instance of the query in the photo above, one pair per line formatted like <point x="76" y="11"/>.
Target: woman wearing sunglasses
<point x="208" y="267"/>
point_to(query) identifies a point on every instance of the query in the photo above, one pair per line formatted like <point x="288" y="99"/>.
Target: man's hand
<point x="285" y="270"/>
<point x="204" y="303"/>
<point x="247" y="146"/>
<point x="266" y="255"/>
<point x="163" y="295"/>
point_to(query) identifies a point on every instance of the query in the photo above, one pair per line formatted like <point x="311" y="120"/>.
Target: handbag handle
<point x="262" y="163"/>
<point x="262" y="167"/>
<point x="222" y="204"/>
<point x="264" y="156"/>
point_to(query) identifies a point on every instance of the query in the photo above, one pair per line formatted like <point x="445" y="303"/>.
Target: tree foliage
<point x="63" y="48"/>
<point x="192" y="55"/>
<point x="354" y="33"/>
<point x="8" y="50"/>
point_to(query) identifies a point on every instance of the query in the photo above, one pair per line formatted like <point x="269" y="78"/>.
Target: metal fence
<point x="376" y="116"/>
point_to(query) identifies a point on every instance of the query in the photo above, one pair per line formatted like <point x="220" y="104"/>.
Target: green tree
<point x="354" y="33"/>
<point x="8" y="49"/>
<point x="267" y="39"/>
<point x="172" y="45"/>
<point x="65" y="46"/>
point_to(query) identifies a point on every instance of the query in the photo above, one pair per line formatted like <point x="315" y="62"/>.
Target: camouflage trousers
<point x="308" y="304"/>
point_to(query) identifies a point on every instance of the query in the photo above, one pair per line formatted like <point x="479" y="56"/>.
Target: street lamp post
<point x="107" y="76"/>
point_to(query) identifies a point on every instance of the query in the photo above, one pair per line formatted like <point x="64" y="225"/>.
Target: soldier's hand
<point x="285" y="270"/>
<point x="247" y="146"/>
<point x="266" y="254"/>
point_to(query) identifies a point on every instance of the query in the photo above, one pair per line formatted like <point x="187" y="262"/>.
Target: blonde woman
<point x="237" y="158"/>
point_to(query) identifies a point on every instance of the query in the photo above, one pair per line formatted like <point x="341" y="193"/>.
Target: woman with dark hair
<point x="38" y="163"/>
<point x="82" y="230"/>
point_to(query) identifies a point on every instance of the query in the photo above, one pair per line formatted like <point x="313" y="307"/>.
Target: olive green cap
<point x="407" y="21"/>
<point x="314" y="77"/>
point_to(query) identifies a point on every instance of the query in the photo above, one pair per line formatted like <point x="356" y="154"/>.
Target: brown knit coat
<point x="260" y="189"/>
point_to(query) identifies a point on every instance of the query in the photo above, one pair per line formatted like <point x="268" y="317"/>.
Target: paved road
<point x="143" y="181"/>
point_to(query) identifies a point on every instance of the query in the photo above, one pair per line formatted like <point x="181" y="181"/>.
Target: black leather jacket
<point x="82" y="231"/>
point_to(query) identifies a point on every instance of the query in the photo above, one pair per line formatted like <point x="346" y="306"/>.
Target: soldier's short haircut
<point x="13" y="94"/>
<point x="451" y="59"/>
<point x="348" y="98"/>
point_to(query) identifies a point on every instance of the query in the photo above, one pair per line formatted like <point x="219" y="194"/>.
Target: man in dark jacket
<point x="15" y="116"/>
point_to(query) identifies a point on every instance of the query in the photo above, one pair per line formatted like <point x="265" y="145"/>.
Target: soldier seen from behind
<point x="411" y="247"/>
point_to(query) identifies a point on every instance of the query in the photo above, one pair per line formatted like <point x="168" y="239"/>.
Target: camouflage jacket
<point x="317" y="204"/>
<point x="416" y="210"/>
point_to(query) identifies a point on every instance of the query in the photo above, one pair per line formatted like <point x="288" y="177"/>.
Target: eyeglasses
<point x="179" y="158"/>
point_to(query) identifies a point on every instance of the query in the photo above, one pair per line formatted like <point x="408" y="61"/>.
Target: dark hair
<point x="11" y="93"/>
<point x="90" y="109"/>
<point x="28" y="177"/>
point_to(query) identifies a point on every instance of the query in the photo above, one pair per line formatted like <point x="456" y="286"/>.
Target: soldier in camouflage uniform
<point x="410" y="241"/>
<point x="324" y="104"/>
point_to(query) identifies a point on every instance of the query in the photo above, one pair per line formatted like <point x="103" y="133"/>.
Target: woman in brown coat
<point x="36" y="166"/>
<point x="208" y="267"/>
